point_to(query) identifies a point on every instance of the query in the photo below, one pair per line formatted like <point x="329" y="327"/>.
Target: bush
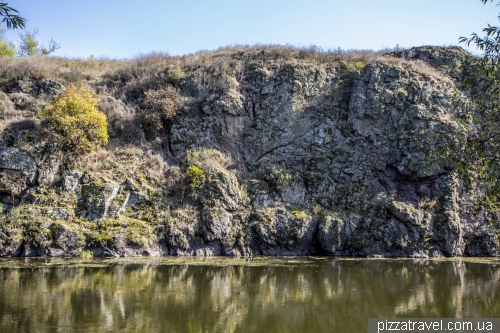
<point x="196" y="177"/>
<point x="174" y="74"/>
<point x="161" y="105"/>
<point x="74" y="116"/>
<point x="208" y="159"/>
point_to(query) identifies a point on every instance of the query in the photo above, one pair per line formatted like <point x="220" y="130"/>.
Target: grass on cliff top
<point x="76" y="71"/>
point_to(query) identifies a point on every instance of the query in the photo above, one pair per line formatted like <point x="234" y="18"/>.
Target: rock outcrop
<point x="292" y="157"/>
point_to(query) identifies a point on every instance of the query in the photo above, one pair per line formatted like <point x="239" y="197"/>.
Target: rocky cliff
<point x="272" y="151"/>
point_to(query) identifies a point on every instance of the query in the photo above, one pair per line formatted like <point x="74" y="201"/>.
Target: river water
<point x="239" y="295"/>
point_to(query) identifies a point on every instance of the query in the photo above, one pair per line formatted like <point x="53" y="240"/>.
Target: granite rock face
<point x="294" y="158"/>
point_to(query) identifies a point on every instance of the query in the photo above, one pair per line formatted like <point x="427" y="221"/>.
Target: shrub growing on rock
<point x="196" y="177"/>
<point x="161" y="105"/>
<point x="74" y="116"/>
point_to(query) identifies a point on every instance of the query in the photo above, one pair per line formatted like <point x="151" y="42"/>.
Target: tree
<point x="29" y="46"/>
<point x="13" y="21"/>
<point x="7" y="50"/>
<point x="75" y="118"/>
<point x="475" y="149"/>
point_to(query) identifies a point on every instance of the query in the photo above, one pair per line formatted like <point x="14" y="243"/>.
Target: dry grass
<point x="16" y="123"/>
<point x="153" y="70"/>
<point x="124" y="160"/>
<point x="278" y="53"/>
<point x="7" y="109"/>
<point x="225" y="60"/>
<point x="426" y="204"/>
<point x="122" y="119"/>
<point x="60" y="69"/>
<point x="144" y="65"/>
<point x="12" y="118"/>
<point x="209" y="160"/>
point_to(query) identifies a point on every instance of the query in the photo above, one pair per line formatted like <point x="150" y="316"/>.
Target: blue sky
<point x="126" y="28"/>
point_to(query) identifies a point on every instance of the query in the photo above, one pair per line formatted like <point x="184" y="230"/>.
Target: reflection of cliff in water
<point x="328" y="296"/>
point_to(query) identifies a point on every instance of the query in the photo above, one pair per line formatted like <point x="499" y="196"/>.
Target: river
<point x="170" y="294"/>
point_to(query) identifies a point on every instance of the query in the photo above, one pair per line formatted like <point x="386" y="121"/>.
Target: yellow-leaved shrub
<point x="74" y="116"/>
<point x="196" y="176"/>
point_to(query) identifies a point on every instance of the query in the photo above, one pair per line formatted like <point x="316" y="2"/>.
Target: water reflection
<point x="324" y="296"/>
